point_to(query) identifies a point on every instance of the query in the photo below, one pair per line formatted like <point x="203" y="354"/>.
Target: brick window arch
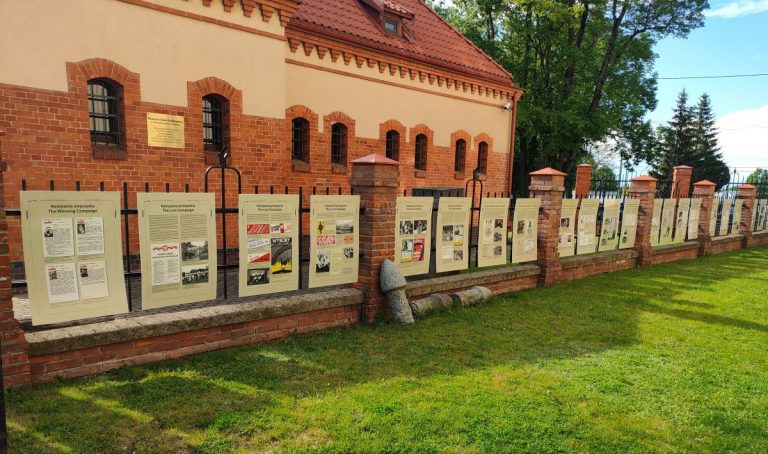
<point x="460" y="156"/>
<point x="482" y="157"/>
<point x="106" y="113"/>
<point x="393" y="145"/>
<point x="300" y="139"/>
<point x="339" y="138"/>
<point x="420" y="152"/>
<point x="215" y="123"/>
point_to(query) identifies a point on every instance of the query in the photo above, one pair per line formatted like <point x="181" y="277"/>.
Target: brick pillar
<point x="681" y="182"/>
<point x="644" y="189"/>
<point x="375" y="180"/>
<point x="14" y="346"/>
<point x="705" y="190"/>
<point x="583" y="180"/>
<point x="548" y="185"/>
<point x="747" y="193"/>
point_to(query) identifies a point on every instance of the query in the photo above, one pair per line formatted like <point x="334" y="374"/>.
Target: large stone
<point x="471" y="296"/>
<point x="437" y="302"/>
<point x="390" y="277"/>
<point x="393" y="285"/>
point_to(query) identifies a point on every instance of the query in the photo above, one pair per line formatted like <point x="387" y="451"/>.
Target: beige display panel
<point x="269" y="243"/>
<point x="165" y="130"/>
<point x="693" y="219"/>
<point x="667" y="221"/>
<point x="656" y="221"/>
<point x="681" y="220"/>
<point x="713" y="218"/>
<point x="587" y="226"/>
<point x="725" y="218"/>
<point x="762" y="217"/>
<point x="492" y="247"/>
<point x="452" y="235"/>
<point x="609" y="231"/>
<point x="72" y="255"/>
<point x="177" y="234"/>
<point x="567" y="242"/>
<point x="413" y="230"/>
<point x="629" y="223"/>
<point x="738" y="204"/>
<point x="335" y="239"/>
<point x="525" y="230"/>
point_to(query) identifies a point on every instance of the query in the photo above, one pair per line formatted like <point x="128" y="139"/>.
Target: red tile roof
<point x="428" y="37"/>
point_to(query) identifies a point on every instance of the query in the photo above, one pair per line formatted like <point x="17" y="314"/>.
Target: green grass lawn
<point x="666" y="358"/>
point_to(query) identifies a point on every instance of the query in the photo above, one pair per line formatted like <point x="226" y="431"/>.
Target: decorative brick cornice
<point x="285" y="9"/>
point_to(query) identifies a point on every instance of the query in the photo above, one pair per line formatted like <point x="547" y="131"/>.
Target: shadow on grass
<point x="173" y="405"/>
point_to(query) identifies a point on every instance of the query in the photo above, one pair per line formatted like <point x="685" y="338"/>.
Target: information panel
<point x="492" y="247"/>
<point x="72" y="255"/>
<point x="413" y="234"/>
<point x="667" y="221"/>
<point x="269" y="243"/>
<point x="693" y="219"/>
<point x="567" y="243"/>
<point x="629" y="223"/>
<point x="737" y="206"/>
<point x="335" y="239"/>
<point x="762" y="216"/>
<point x="452" y="234"/>
<point x="656" y="221"/>
<point x="177" y="232"/>
<point x="525" y="230"/>
<point x="681" y="220"/>
<point x="587" y="227"/>
<point x="713" y="217"/>
<point x="725" y="218"/>
<point x="609" y="232"/>
<point x="165" y="130"/>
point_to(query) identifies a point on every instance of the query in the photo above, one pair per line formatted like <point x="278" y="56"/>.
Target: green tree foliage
<point x="759" y="178"/>
<point x="690" y="139"/>
<point x="586" y="66"/>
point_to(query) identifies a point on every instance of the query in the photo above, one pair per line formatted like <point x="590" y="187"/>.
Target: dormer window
<point x="392" y="16"/>
<point x="390" y="25"/>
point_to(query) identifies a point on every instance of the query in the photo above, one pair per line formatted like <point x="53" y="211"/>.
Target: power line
<point x="728" y="76"/>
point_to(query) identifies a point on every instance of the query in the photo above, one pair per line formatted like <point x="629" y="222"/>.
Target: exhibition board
<point x="629" y="223"/>
<point x="656" y="221"/>
<point x="413" y="230"/>
<point x="269" y="243"/>
<point x="609" y="230"/>
<point x="177" y="236"/>
<point x="738" y="204"/>
<point x="492" y="245"/>
<point x="681" y="220"/>
<point x="667" y="221"/>
<point x="587" y="226"/>
<point x="693" y="219"/>
<point x="452" y="234"/>
<point x="73" y="258"/>
<point x="725" y="218"/>
<point x="334" y="240"/>
<point x="762" y="218"/>
<point x="567" y="241"/>
<point x="525" y="230"/>
<point x="713" y="218"/>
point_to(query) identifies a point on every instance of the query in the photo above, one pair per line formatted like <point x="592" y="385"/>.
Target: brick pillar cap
<point x="747" y="186"/>
<point x="584" y="165"/>
<point x="644" y="178"/>
<point x="683" y="167"/>
<point x="376" y="158"/>
<point x="704" y="183"/>
<point x="549" y="171"/>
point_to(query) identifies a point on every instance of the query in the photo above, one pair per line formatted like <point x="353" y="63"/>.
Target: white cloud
<point x="739" y="8"/>
<point x="743" y="137"/>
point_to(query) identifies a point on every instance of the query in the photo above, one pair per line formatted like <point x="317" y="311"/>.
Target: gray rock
<point x="393" y="285"/>
<point x="437" y="302"/>
<point x="471" y="296"/>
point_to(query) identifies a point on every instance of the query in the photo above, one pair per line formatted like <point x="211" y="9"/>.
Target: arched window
<point x="421" y="152"/>
<point x="339" y="144"/>
<point x="482" y="157"/>
<point x="460" y="156"/>
<point x="215" y="121"/>
<point x="105" y="112"/>
<point x="300" y="139"/>
<point x="393" y="145"/>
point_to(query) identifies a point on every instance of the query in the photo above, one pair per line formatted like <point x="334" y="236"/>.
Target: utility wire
<point x="729" y="76"/>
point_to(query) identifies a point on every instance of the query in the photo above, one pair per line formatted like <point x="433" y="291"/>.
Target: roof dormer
<point x="390" y="14"/>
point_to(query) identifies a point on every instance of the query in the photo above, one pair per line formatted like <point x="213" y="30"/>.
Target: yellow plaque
<point x="165" y="130"/>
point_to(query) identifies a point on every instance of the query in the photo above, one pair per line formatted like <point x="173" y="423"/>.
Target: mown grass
<point x="666" y="358"/>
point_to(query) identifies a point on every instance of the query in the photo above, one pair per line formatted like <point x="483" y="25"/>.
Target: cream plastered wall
<point x="37" y="37"/>
<point x="371" y="103"/>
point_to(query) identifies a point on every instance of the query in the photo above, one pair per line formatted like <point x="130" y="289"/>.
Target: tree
<point x="586" y="67"/>
<point x="759" y="178"/>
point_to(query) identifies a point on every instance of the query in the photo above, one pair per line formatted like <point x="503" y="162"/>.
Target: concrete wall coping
<point x="727" y="239"/>
<point x="459" y="281"/>
<point x="151" y="325"/>
<point x="597" y="258"/>
<point x="670" y="248"/>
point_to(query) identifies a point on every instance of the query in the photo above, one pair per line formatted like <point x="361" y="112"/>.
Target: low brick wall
<point x="581" y="266"/>
<point x="758" y="239"/>
<point x="500" y="280"/>
<point x="99" y="347"/>
<point x="727" y="243"/>
<point x="675" y="252"/>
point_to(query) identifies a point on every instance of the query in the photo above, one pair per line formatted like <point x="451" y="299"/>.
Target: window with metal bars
<point x="421" y="152"/>
<point x="339" y="144"/>
<point x="460" y="156"/>
<point x="300" y="139"/>
<point x="393" y="145"/>
<point x="482" y="157"/>
<point x="104" y="112"/>
<point x="214" y="123"/>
